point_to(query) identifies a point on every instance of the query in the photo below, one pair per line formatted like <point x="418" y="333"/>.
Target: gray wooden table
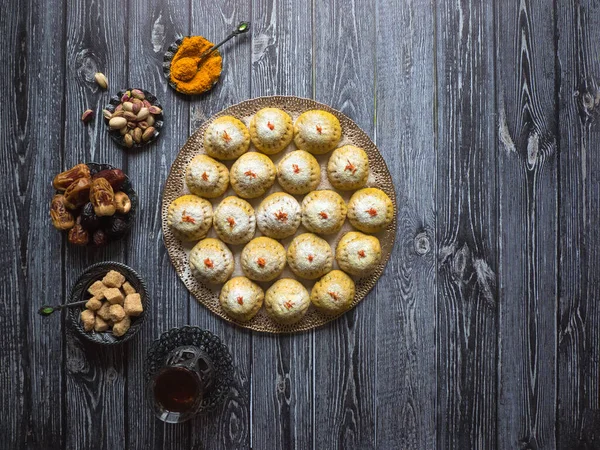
<point x="484" y="331"/>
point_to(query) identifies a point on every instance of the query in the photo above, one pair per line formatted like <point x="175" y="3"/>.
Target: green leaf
<point x="46" y="310"/>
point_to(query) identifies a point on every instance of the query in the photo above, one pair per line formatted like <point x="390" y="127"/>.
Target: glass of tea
<point x="177" y="389"/>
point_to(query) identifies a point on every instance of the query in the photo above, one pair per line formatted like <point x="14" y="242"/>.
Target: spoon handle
<point x="46" y="310"/>
<point x="242" y="27"/>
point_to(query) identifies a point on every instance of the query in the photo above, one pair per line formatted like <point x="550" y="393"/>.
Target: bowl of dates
<point x="94" y="204"/>
<point x="134" y="118"/>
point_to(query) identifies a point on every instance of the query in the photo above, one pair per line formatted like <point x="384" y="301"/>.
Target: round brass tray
<point x="175" y="187"/>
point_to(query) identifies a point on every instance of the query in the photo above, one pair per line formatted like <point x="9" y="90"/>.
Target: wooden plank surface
<point x="483" y="332"/>
<point x="31" y="354"/>
<point x="154" y="25"/>
<point x="527" y="179"/>
<point x="344" y="352"/>
<point x="578" y="390"/>
<point x="406" y="296"/>
<point x="466" y="226"/>
<point x="229" y="427"/>
<point x="282" y="366"/>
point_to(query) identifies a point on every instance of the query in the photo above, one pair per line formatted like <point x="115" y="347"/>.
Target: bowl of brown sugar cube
<point x="116" y="303"/>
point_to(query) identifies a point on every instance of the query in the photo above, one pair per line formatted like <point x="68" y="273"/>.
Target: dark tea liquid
<point x="176" y="389"/>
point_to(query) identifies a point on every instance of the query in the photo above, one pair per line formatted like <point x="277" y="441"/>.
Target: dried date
<point x="62" y="219"/>
<point x="78" y="235"/>
<point x="99" y="238"/>
<point x="78" y="193"/>
<point x="64" y="179"/>
<point x="122" y="202"/>
<point x="118" y="226"/>
<point x="102" y="197"/>
<point x="115" y="177"/>
<point x="89" y="220"/>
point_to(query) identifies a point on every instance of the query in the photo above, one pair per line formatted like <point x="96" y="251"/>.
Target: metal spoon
<point x="242" y="27"/>
<point x="46" y="310"/>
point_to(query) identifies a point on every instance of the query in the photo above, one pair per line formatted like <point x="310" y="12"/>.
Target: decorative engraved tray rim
<point x="175" y="186"/>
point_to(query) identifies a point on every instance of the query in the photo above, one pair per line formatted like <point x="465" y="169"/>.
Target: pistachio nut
<point x="127" y="106"/>
<point x="130" y="116"/>
<point x="128" y="141"/>
<point x="148" y="134"/>
<point x="131" y="124"/>
<point x="101" y="80"/>
<point x="125" y="97"/>
<point x="144" y="112"/>
<point x="150" y="120"/>
<point x="137" y="135"/>
<point x="136" y="108"/>
<point x="107" y="114"/>
<point x="119" y="108"/>
<point x="146" y="103"/>
<point x="116" y="123"/>
<point x="136" y="93"/>
<point x="143" y="124"/>
<point x="87" y="115"/>
<point x="123" y="131"/>
<point x="119" y="113"/>
<point x="155" y="110"/>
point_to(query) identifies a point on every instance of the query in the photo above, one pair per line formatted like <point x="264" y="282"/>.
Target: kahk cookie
<point x="263" y="259"/>
<point x="334" y="293"/>
<point x="323" y="212"/>
<point x="234" y="221"/>
<point x="241" y="299"/>
<point x="226" y="138"/>
<point x="206" y="177"/>
<point x="309" y="256"/>
<point x="286" y="301"/>
<point x="271" y="130"/>
<point x="252" y="175"/>
<point x="298" y="172"/>
<point x="357" y="253"/>
<point x="211" y="261"/>
<point x="370" y="210"/>
<point x="189" y="217"/>
<point x="317" y="132"/>
<point x="348" y="168"/>
<point x="278" y="216"/>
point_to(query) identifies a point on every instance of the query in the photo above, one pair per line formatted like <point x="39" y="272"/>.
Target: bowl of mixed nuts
<point x="94" y="203"/>
<point x="134" y="118"/>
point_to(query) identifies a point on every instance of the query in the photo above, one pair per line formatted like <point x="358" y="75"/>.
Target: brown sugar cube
<point x="97" y="290"/>
<point x="100" y="324"/>
<point x="94" y="304"/>
<point x="128" y="288"/>
<point x="88" y="319"/>
<point x="120" y="328"/>
<point x="114" y="296"/>
<point x="116" y="313"/>
<point x="113" y="279"/>
<point x="133" y="305"/>
<point x="104" y="311"/>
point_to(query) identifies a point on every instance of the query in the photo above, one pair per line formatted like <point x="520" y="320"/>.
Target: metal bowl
<point x="127" y="187"/>
<point x="79" y="292"/>
<point x="159" y="119"/>
<point x="168" y="59"/>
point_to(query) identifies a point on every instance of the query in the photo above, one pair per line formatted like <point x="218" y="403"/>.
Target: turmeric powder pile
<point x="186" y="75"/>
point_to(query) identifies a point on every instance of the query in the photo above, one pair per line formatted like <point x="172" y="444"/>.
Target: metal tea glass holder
<point x="198" y="351"/>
